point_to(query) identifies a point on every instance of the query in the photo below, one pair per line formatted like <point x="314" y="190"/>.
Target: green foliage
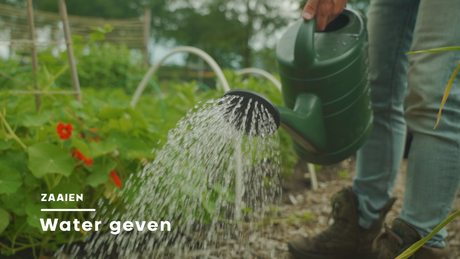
<point x="10" y="180"/>
<point x="108" y="133"/>
<point x="47" y="158"/>
<point x="105" y="129"/>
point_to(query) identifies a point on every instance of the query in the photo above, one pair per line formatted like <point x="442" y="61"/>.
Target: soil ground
<point x="299" y="197"/>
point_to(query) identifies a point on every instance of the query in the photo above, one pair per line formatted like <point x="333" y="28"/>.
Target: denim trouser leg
<point x="433" y="169"/>
<point x="390" y="25"/>
<point x="433" y="176"/>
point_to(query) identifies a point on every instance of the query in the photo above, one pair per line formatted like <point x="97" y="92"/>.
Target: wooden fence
<point x="14" y="28"/>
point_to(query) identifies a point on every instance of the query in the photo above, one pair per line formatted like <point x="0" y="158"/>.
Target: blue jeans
<point x="406" y="93"/>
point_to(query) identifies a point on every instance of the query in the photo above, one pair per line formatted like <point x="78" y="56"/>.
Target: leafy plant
<point x="90" y="147"/>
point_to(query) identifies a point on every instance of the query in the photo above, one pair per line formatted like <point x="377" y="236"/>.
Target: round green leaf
<point x="10" y="180"/>
<point x="80" y="145"/>
<point x="16" y="159"/>
<point x="35" y="120"/>
<point x="63" y="189"/>
<point x="101" y="148"/>
<point x="5" y="144"/>
<point x="47" y="158"/>
<point x="100" y="172"/>
<point x="4" y="220"/>
<point x="34" y="214"/>
<point x="17" y="201"/>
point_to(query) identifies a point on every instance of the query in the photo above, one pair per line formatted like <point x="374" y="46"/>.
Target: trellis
<point x="21" y="23"/>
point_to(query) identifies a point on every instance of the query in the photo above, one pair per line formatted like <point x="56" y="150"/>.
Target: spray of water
<point x="214" y="180"/>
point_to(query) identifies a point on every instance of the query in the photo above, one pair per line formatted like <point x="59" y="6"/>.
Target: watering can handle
<point x="304" y="50"/>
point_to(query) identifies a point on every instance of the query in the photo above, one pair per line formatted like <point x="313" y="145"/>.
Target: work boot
<point x="401" y="236"/>
<point x="343" y="239"/>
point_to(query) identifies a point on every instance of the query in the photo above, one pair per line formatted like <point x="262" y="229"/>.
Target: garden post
<point x="30" y="14"/>
<point x="72" y="64"/>
<point x="147" y="20"/>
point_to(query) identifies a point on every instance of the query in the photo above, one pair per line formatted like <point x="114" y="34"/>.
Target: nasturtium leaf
<point x="47" y="158"/>
<point x="125" y="125"/>
<point x="95" y="179"/>
<point x="137" y="117"/>
<point x="17" y="201"/>
<point x="31" y="181"/>
<point x="34" y="214"/>
<point x="65" y="188"/>
<point x="26" y="141"/>
<point x="46" y="131"/>
<point x="100" y="172"/>
<point x="118" y="139"/>
<point x="10" y="180"/>
<point x="5" y="144"/>
<point x="101" y="148"/>
<point x="16" y="159"/>
<point x="111" y="125"/>
<point x="80" y="145"/>
<point x="4" y="220"/>
<point x="35" y="120"/>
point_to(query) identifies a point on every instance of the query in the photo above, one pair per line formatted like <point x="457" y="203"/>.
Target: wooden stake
<point x="72" y="64"/>
<point x="147" y="21"/>
<point x="30" y="14"/>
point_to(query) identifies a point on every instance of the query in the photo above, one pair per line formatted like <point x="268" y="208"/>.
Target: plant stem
<point x="57" y="180"/>
<point x="45" y="178"/>
<point x="33" y="247"/>
<point x="13" y="135"/>
<point x="5" y="246"/>
<point x="16" y="235"/>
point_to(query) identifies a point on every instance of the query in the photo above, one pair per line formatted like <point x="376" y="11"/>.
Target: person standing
<point x="406" y="93"/>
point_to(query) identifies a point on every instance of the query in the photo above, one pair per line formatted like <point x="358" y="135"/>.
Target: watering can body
<point x="325" y="85"/>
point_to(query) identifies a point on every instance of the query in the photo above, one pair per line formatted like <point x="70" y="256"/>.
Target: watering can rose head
<point x="248" y="111"/>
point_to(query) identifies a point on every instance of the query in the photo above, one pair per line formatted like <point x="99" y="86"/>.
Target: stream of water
<point x="212" y="181"/>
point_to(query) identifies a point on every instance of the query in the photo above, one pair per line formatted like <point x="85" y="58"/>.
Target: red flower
<point x="115" y="178"/>
<point x="81" y="157"/>
<point x="64" y="131"/>
<point x="88" y="161"/>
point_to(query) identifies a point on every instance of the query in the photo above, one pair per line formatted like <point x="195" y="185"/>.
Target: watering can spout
<point x="304" y="123"/>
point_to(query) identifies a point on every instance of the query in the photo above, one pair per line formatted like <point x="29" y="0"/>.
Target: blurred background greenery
<point x="236" y="33"/>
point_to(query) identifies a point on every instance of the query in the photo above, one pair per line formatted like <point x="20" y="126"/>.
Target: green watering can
<point x="325" y="85"/>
